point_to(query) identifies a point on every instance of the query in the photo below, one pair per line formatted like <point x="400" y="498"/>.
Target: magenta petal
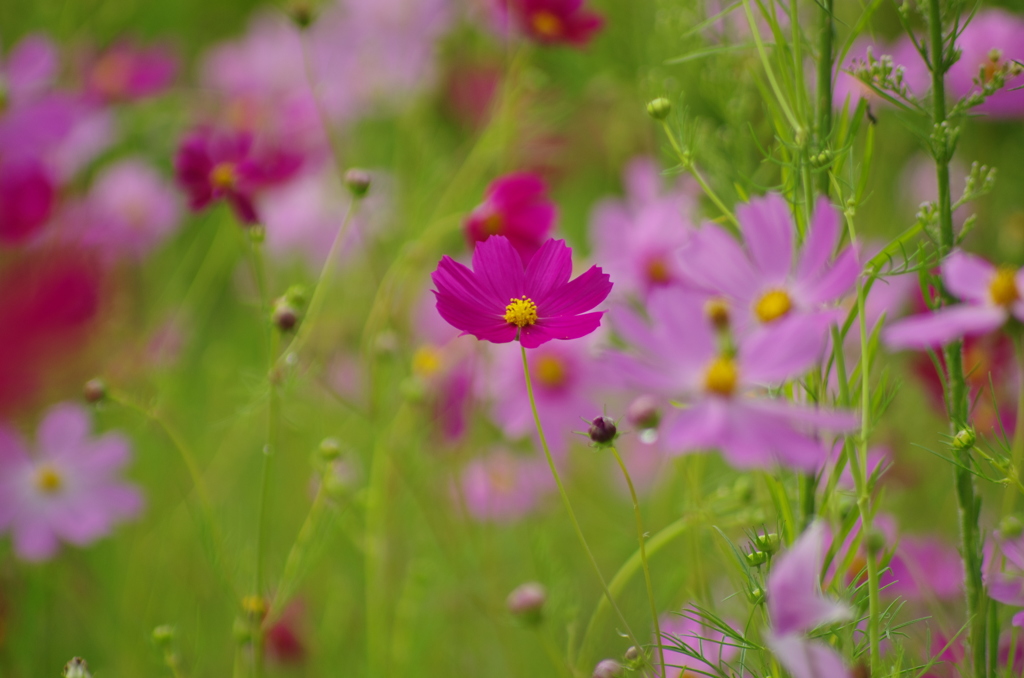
<point x="807" y="658"/>
<point x="499" y="269"/>
<point x="967" y="276"/>
<point x="578" y="295"/>
<point x="821" y="241"/>
<point x="768" y="231"/>
<point x="548" y="270"/>
<point x="564" y="327"/>
<point x="1018" y="620"/>
<point x="836" y="282"/>
<point x="776" y="352"/>
<point x="32" y="64"/>
<point x="931" y="330"/>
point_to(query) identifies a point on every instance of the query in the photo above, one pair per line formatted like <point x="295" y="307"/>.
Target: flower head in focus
<point x="554" y="21"/>
<point x="516" y="206"/>
<point x="128" y="72"/>
<point x="500" y="300"/>
<point x="68" y="490"/>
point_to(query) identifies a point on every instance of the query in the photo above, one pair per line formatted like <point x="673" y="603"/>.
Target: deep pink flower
<point x="68" y="490"/>
<point x="127" y="72"/>
<point x="989" y="42"/>
<point x="504" y="487"/>
<point x="687" y="629"/>
<point x="991" y="296"/>
<point x="763" y="281"/>
<point x="554" y="21"/>
<point x="677" y="355"/>
<point x="796" y="605"/>
<point x="27" y="195"/>
<point x="211" y="165"/>
<point x="500" y="300"/>
<point x="516" y="206"/>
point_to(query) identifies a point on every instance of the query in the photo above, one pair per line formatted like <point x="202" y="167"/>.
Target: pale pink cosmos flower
<point x="504" y="487"/>
<point x="990" y="297"/>
<point x="904" y="56"/>
<point x="796" y="605"/>
<point x="686" y="629"/>
<point x="1003" y="572"/>
<point x="68" y="489"/>
<point x="28" y="70"/>
<point x="636" y="239"/>
<point x="988" y="43"/>
<point x="724" y="402"/>
<point x="766" y="280"/>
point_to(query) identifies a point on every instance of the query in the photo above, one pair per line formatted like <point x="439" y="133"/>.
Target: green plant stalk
<point x="825" y="65"/>
<point x="1017" y="446"/>
<point x="567" y="503"/>
<point x="957" y="406"/>
<point x="691" y="167"/>
<point x="641" y="539"/>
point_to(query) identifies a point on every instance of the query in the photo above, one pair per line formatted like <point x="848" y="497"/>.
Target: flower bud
<point x="330" y="449"/>
<point x="255" y="607"/>
<point x="257" y="234"/>
<point x="296" y="295"/>
<point x="964" y="439"/>
<point x="768" y="543"/>
<point x="94" y="390"/>
<point x="1011" y="527"/>
<point x="76" y="668"/>
<point x="602" y="431"/>
<point x="659" y="108"/>
<point x="755" y="596"/>
<point x="285" y="316"/>
<point x="607" y="668"/>
<point x="527" y="602"/>
<point x="633" y="653"/>
<point x="874" y="542"/>
<point x="644" y="412"/>
<point x="163" y="636"/>
<point x="717" y="311"/>
<point x="301" y="13"/>
<point x="358" y="182"/>
<point x="756" y="558"/>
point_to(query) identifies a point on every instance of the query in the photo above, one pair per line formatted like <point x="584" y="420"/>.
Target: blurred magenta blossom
<point x="990" y="41"/>
<point x="516" y="206"/>
<point x="553" y="21"/>
<point x="127" y="71"/>
<point x="504" y="487"/>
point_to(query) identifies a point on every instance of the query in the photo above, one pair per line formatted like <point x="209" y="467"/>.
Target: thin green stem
<point x="826" y="58"/>
<point x="690" y="166"/>
<point x="642" y="539"/>
<point x="567" y="503"/>
<point x="1017" y="446"/>
<point x="768" y="69"/>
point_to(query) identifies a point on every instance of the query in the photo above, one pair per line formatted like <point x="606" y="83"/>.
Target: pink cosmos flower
<point x="904" y="56"/>
<point x="504" y="487"/>
<point x="796" y="605"/>
<point x="129" y="211"/>
<point x="687" y="629"/>
<point x="990" y="41"/>
<point x="554" y="21"/>
<point x="500" y="300"/>
<point x="991" y="296"/>
<point x="764" y="281"/>
<point x="27" y="196"/>
<point x="211" y="165"/>
<point x="28" y="70"/>
<point x="677" y="355"/>
<point x="68" y="490"/>
<point x="516" y="206"/>
<point x="128" y="72"/>
<point x="1003" y="572"/>
<point x="636" y="239"/>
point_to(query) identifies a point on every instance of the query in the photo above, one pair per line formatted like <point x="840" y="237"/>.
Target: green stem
<point x="642" y="539"/>
<point x="567" y="503"/>
<point x="1017" y="446"/>
<point x="825" y="65"/>
<point x="552" y="653"/>
<point x="690" y="166"/>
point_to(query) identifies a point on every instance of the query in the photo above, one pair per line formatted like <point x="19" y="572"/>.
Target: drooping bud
<point x="659" y="108"/>
<point x="644" y="412"/>
<point x="607" y="668"/>
<point x="94" y="391"/>
<point x="964" y="439"/>
<point x="527" y="602"/>
<point x="602" y="431"/>
<point x="358" y="182"/>
<point x="76" y="668"/>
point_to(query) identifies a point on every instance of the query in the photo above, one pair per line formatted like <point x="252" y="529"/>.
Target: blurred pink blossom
<point x="126" y="71"/>
<point x="504" y="487"/>
<point x="990" y="41"/>
<point x="516" y="206"/>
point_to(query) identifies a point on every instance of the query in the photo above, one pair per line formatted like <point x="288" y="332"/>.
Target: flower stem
<point x="825" y="64"/>
<point x="1017" y="446"/>
<point x="568" y="504"/>
<point x="642" y="539"/>
<point x="687" y="162"/>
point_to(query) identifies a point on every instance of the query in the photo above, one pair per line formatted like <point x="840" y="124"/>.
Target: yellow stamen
<point x="550" y="371"/>
<point x="546" y="24"/>
<point x="521" y="312"/>
<point x="426" y="361"/>
<point x="48" y="480"/>
<point x="717" y="310"/>
<point x="1003" y="287"/>
<point x="721" y="376"/>
<point x="494" y="224"/>
<point x="772" y="306"/>
<point x="223" y="175"/>
<point x="657" y="271"/>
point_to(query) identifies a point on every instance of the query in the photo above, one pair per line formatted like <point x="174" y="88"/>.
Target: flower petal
<point x="715" y="262"/>
<point x="578" y="295"/>
<point x="548" y="271"/>
<point x="967" y="276"/>
<point x="768" y="231"/>
<point x="821" y="241"/>
<point x="697" y="428"/>
<point x="931" y="330"/>
<point x="776" y="352"/>
<point x="835" y="282"/>
<point x="565" y="327"/>
<point x="63" y="431"/>
<point x="499" y="269"/>
<point x="795" y="601"/>
<point x="807" y="658"/>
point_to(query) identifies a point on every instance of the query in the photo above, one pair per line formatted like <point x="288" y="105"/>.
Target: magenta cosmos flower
<point x="764" y="281"/>
<point x="677" y="355"/>
<point x="991" y="296"/>
<point x="28" y="70"/>
<point x="516" y="206"/>
<point x="211" y="165"/>
<point x="27" y="196"/>
<point x="554" y="21"/>
<point x="127" y="72"/>
<point x="500" y="300"/>
<point x="68" y="490"/>
<point x="796" y="605"/>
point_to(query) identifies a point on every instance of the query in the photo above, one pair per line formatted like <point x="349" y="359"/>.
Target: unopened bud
<point x="76" y="668"/>
<point x="163" y="635"/>
<point x="644" y="412"/>
<point x="255" y="607"/>
<point x="964" y="439"/>
<point x="717" y="311"/>
<point x="602" y="430"/>
<point x="297" y="296"/>
<point x="607" y="668"/>
<point x="756" y="558"/>
<point x="659" y="108"/>
<point x="874" y="542"/>
<point x="767" y="542"/>
<point x="755" y="596"/>
<point x="633" y="653"/>
<point x="1011" y="527"/>
<point x="527" y="602"/>
<point x="94" y="390"/>
<point x="330" y="449"/>
<point x="301" y="13"/>
<point x="257" y="234"/>
<point x="358" y="182"/>
<point x="285" y="316"/>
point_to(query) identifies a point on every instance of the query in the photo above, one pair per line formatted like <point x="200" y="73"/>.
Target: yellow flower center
<point x="254" y="606"/>
<point x="426" y="361"/>
<point x="550" y="371"/>
<point x="546" y="23"/>
<point x="494" y="224"/>
<point x="521" y="312"/>
<point x="717" y="310"/>
<point x="657" y="271"/>
<point x="48" y="480"/>
<point x="772" y="306"/>
<point x="223" y="175"/>
<point x="721" y="376"/>
<point x="1003" y="287"/>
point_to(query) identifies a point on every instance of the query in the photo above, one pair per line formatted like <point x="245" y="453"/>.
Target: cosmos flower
<point x="27" y="71"/>
<point x="687" y="629"/>
<point x="904" y="56"/>
<point x="764" y="281"/>
<point x="554" y="21"/>
<point x="1003" y="572"/>
<point x="725" y="405"/>
<point x="128" y="72"/>
<point x="68" y="490"/>
<point x="516" y="206"/>
<point x="504" y="487"/>
<point x="500" y="300"/>
<point x="27" y="196"/>
<point x="796" y="605"/>
<point x="989" y="43"/>
<point x="211" y="165"/>
<point x="990" y="296"/>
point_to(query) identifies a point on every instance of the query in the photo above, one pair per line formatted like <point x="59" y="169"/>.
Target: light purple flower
<point x="28" y="70"/>
<point x="516" y="206"/>
<point x="763" y="281"/>
<point x="904" y="56"/>
<point x="796" y="606"/>
<point x="988" y="43"/>
<point x="1003" y="572"/>
<point x="504" y="487"/>
<point x="636" y="239"/>
<point x="990" y="297"/>
<point x="687" y="629"/>
<point x="68" y="490"/>
<point x="724" y="402"/>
